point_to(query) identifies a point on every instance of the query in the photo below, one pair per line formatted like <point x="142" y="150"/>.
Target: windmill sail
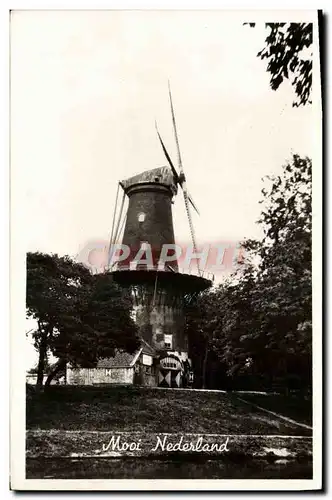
<point x="192" y="203"/>
<point x="176" y="176"/>
<point x="182" y="179"/>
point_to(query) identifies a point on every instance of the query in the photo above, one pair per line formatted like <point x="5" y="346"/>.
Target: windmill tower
<point x="158" y="288"/>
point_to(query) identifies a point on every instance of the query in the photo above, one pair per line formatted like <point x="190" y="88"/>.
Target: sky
<point x="86" y="89"/>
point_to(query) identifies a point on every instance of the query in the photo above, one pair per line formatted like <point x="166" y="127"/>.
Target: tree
<point x="199" y="329"/>
<point x="47" y="283"/>
<point x="259" y="322"/>
<point x="81" y="317"/>
<point x="285" y="51"/>
<point x="203" y="323"/>
<point x="269" y="321"/>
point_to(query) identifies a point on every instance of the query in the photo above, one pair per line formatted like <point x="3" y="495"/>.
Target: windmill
<point x="159" y="290"/>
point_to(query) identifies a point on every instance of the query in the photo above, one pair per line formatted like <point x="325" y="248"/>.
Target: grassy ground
<point x="149" y="410"/>
<point x="294" y="407"/>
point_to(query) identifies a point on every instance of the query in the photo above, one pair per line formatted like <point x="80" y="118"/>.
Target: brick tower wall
<point x="149" y="220"/>
<point x="160" y="323"/>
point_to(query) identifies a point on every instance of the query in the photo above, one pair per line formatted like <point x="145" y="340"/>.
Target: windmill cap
<point x="160" y="175"/>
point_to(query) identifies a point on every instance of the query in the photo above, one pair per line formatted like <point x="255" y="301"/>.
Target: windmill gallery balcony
<point x="161" y="270"/>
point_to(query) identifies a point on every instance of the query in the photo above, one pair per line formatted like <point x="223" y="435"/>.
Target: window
<point x="133" y="313"/>
<point x="141" y="217"/>
<point x="171" y="364"/>
<point x="168" y="341"/>
<point x="147" y="360"/>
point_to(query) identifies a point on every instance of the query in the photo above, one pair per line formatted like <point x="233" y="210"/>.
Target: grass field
<point x="150" y="410"/>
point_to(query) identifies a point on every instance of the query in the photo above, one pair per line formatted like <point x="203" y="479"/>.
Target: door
<point x="169" y="378"/>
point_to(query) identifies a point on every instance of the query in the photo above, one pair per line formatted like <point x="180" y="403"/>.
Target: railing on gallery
<point x="135" y="266"/>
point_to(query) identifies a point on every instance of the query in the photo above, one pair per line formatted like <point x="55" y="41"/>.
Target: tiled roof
<point x="121" y="359"/>
<point x="147" y="349"/>
<point x="124" y="359"/>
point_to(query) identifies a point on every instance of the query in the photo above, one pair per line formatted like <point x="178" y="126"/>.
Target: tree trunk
<point x="204" y="367"/>
<point x="60" y="365"/>
<point x="41" y="361"/>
